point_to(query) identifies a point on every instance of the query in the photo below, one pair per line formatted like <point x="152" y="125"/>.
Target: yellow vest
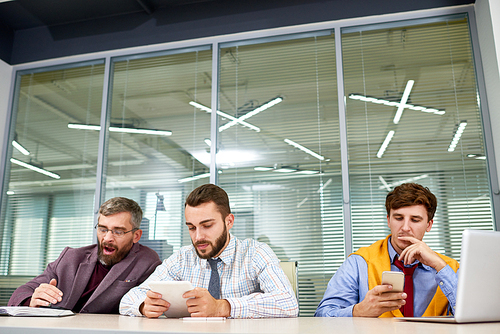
<point x="378" y="260"/>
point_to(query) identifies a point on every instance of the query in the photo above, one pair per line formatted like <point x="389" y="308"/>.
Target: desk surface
<point x="106" y="323"/>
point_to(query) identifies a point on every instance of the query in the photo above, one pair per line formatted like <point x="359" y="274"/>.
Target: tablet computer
<point x="172" y="292"/>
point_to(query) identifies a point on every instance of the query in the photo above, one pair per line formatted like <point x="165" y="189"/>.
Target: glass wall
<point x="281" y="167"/>
<point x="51" y="171"/>
<point x="154" y="136"/>
<point x="411" y="114"/>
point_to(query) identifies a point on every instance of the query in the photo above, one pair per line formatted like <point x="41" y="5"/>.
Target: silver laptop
<point x="478" y="294"/>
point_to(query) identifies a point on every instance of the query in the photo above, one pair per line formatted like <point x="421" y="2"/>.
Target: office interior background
<point x="322" y="108"/>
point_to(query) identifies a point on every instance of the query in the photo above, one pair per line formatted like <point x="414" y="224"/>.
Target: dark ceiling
<point x="26" y="14"/>
<point x="33" y="30"/>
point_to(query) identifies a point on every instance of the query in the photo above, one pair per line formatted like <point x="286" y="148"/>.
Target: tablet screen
<point x="172" y="292"/>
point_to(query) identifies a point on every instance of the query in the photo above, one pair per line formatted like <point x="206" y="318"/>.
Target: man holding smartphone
<point x="356" y="289"/>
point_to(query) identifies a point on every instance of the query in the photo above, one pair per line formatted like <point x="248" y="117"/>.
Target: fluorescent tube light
<point x="285" y="170"/>
<point x="397" y="183"/>
<point x="141" y="131"/>
<point x="322" y="187"/>
<point x="263" y="169"/>
<point x="223" y="114"/>
<point x="84" y="127"/>
<point x="304" y="149"/>
<point x="385" y="185"/>
<point x="119" y="129"/>
<point x="456" y="137"/>
<point x="477" y="156"/>
<point x="386" y="142"/>
<point x="208" y="142"/>
<point x="307" y="172"/>
<point x="302" y="202"/>
<point x="192" y="178"/>
<point x="254" y="112"/>
<point x="395" y="104"/>
<point x="20" y="148"/>
<point x="34" y="168"/>
<point x="10" y="192"/>
<point x="404" y="98"/>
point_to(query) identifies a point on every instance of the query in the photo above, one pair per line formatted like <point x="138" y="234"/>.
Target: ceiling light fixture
<point x="385" y="185"/>
<point x="307" y="172"/>
<point x="254" y="112"/>
<point x="35" y="168"/>
<point x="302" y="202"/>
<point x="404" y="99"/>
<point x="323" y="186"/>
<point x="208" y="142"/>
<point x="223" y="114"/>
<point x="263" y="169"/>
<point x="397" y="183"/>
<point x="304" y="149"/>
<point x="386" y="142"/>
<point x="20" y="148"/>
<point x="193" y="178"/>
<point x="395" y="104"/>
<point x="458" y="134"/>
<point x="477" y="156"/>
<point x="121" y="129"/>
<point x="285" y="170"/>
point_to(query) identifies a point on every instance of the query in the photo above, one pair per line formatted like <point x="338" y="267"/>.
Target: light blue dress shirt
<point x="349" y="286"/>
<point x="251" y="280"/>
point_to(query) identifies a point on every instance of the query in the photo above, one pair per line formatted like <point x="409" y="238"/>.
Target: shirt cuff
<point x="238" y="309"/>
<point x="338" y="312"/>
<point x="447" y="280"/>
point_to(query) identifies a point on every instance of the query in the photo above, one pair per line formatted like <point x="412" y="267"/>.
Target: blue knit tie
<point x="214" y="285"/>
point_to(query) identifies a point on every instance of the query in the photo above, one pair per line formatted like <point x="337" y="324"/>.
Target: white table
<point x="106" y="323"/>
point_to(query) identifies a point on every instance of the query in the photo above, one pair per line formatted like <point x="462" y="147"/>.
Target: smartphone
<point x="394" y="278"/>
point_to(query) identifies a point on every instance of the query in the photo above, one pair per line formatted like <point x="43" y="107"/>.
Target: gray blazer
<point x="73" y="269"/>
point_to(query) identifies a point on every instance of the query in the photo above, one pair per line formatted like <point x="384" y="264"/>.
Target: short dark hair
<point x="122" y="204"/>
<point x="409" y="194"/>
<point x="210" y="193"/>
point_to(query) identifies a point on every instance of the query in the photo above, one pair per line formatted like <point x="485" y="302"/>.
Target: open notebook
<point x="478" y="293"/>
<point x="25" y="311"/>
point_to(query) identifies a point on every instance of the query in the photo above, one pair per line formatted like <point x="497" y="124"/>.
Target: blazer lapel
<point x="85" y="270"/>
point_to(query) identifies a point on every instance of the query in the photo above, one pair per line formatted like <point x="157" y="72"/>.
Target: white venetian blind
<point x="433" y="63"/>
<point x="153" y="91"/>
<point x="282" y="172"/>
<point x="50" y="176"/>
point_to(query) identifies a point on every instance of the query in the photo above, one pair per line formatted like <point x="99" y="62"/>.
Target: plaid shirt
<point x="252" y="280"/>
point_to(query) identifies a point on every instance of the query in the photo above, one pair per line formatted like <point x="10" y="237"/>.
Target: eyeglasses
<point x="116" y="233"/>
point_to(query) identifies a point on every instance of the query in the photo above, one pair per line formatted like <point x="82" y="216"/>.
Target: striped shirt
<point x="252" y="280"/>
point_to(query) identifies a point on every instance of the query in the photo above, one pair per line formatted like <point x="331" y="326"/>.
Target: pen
<point x="204" y="319"/>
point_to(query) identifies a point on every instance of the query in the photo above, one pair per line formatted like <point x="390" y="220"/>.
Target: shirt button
<point x="441" y="283"/>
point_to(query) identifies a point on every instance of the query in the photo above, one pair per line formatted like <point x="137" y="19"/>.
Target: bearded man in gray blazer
<point x="93" y="279"/>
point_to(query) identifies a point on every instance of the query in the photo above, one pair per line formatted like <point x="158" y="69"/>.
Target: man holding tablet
<point x="231" y="277"/>
<point x="356" y="289"/>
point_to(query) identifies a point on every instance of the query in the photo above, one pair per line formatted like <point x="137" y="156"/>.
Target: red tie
<point x="407" y="309"/>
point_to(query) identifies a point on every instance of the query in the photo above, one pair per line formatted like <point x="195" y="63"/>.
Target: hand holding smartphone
<point x="394" y="278"/>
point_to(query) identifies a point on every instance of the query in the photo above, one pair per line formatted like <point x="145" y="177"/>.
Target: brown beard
<point x="110" y="260"/>
<point x="220" y="242"/>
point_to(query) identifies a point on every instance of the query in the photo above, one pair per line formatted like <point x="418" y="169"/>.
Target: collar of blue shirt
<point x="392" y="253"/>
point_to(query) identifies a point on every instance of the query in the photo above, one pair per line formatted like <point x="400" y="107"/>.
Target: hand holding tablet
<point x="172" y="292"/>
